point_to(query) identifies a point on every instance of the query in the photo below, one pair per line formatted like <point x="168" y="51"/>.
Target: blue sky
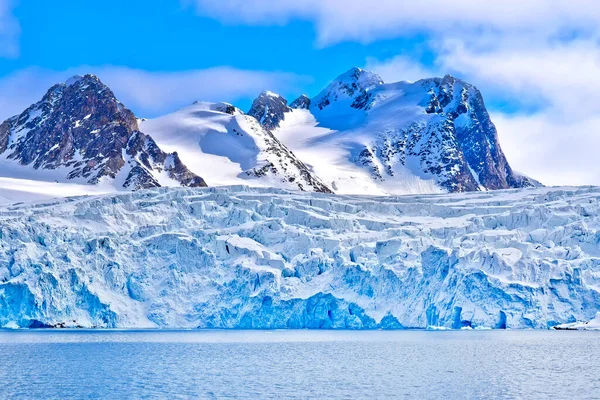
<point x="536" y="62"/>
<point x="172" y="36"/>
<point x="168" y="35"/>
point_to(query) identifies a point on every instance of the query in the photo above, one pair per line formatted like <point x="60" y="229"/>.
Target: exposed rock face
<point x="457" y="144"/>
<point x="81" y="128"/>
<point x="436" y="133"/>
<point x="145" y="157"/>
<point x="433" y="147"/>
<point x="464" y="110"/>
<point x="269" y="109"/>
<point x="301" y="103"/>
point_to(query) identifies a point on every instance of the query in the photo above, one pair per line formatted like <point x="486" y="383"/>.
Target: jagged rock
<point x="301" y="103"/>
<point x="424" y="137"/>
<point x="269" y="109"/>
<point x="462" y="106"/>
<point x="352" y="87"/>
<point x="81" y="128"/>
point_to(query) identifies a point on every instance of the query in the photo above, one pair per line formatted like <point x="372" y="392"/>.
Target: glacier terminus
<point x="263" y="258"/>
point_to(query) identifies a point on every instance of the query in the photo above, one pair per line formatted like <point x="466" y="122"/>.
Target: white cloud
<point x="564" y="75"/>
<point x="148" y="93"/>
<point x="9" y="30"/>
<point x="357" y="20"/>
<point x="556" y="152"/>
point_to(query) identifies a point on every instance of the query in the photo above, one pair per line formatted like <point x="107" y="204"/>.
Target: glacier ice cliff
<point x="239" y="257"/>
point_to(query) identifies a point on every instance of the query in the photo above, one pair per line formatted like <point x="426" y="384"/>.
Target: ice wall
<point x="239" y="257"/>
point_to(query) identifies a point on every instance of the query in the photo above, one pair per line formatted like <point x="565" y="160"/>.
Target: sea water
<point x="299" y="364"/>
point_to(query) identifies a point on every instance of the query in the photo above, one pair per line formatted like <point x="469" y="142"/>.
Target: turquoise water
<point x="299" y="364"/>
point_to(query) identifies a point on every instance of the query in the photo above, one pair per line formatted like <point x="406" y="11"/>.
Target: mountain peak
<point x="73" y="80"/>
<point x="269" y="109"/>
<point x="83" y="79"/>
<point x="363" y="78"/>
<point x="268" y="93"/>
<point x="301" y="103"/>
<point x="431" y="135"/>
<point x="350" y="88"/>
<point x="79" y="126"/>
<point x="226" y="108"/>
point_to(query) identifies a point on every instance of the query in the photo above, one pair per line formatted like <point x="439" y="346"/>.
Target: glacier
<point x="263" y="258"/>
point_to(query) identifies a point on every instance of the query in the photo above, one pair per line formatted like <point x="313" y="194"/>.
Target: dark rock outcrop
<point x="269" y="109"/>
<point x="462" y="106"/>
<point x="301" y="103"/>
<point x="80" y="126"/>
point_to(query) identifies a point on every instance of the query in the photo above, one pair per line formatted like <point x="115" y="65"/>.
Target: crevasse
<point x="239" y="257"/>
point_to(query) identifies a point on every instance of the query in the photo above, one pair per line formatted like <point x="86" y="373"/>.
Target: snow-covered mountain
<point x="242" y="257"/>
<point x="79" y="133"/>
<point x="358" y="136"/>
<point x="227" y="147"/>
<point x="362" y="136"/>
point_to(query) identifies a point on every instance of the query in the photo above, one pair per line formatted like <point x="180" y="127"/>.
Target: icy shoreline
<point x="238" y="257"/>
<point x="593" y="325"/>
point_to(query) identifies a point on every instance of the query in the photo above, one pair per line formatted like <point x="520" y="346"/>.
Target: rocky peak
<point x="301" y="103"/>
<point x="437" y="128"/>
<point x="446" y="95"/>
<point x="227" y="109"/>
<point x="352" y="87"/>
<point x="454" y="140"/>
<point x="462" y="105"/>
<point x="269" y="109"/>
<point x="80" y="126"/>
<point x="362" y="78"/>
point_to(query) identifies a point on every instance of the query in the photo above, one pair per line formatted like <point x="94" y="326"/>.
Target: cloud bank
<point x="357" y="20"/>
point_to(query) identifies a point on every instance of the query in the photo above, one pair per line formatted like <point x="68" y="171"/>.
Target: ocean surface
<point x="300" y="364"/>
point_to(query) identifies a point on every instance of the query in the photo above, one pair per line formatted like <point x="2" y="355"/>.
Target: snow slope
<point x="239" y="257"/>
<point x="357" y="136"/>
<point x="229" y="148"/>
<point x="13" y="190"/>
<point x="332" y="156"/>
